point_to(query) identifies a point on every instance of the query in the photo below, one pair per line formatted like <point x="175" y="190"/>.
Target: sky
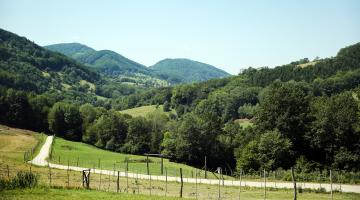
<point x="229" y="34"/>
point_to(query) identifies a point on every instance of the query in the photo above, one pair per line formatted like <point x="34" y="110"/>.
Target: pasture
<point x="144" y="110"/>
<point x="84" y="155"/>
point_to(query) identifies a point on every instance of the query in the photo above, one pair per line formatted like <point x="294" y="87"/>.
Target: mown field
<point x="84" y="155"/>
<point x="144" y="110"/>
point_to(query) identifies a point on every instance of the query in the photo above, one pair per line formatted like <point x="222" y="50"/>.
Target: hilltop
<point x="182" y="70"/>
<point x="116" y="66"/>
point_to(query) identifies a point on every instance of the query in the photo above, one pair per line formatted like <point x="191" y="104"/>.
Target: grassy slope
<point x="14" y="142"/>
<point x="144" y="110"/>
<point x="89" y="157"/>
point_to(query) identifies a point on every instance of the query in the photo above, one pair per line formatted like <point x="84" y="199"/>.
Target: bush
<point x="21" y="180"/>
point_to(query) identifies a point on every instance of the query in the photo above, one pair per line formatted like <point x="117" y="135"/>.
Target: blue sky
<point x="228" y="34"/>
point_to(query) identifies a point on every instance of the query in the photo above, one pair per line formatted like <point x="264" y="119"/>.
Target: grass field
<point x="244" y="122"/>
<point x="144" y="110"/>
<point x="45" y="193"/>
<point x="14" y="142"/>
<point x="66" y="194"/>
<point x="90" y="156"/>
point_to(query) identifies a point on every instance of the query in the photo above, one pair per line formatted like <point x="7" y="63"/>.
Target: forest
<point x="306" y="116"/>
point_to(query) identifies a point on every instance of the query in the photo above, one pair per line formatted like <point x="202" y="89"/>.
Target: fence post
<point x="137" y="182"/>
<point x="67" y="172"/>
<point x="240" y="183"/>
<point x="147" y="165"/>
<point x="150" y="183"/>
<point x="118" y="182"/>
<point x="264" y="184"/>
<point x="100" y="178"/>
<point x="162" y="165"/>
<point x="275" y="178"/>
<point x="205" y="169"/>
<point x="49" y="174"/>
<point x="331" y="188"/>
<point x="294" y="181"/>
<point x="219" y="197"/>
<point x="99" y="163"/>
<point x="127" y="177"/>
<point x="165" y="181"/>
<point x="182" y="184"/>
<point x="196" y="186"/>
<point x="77" y="162"/>
<point x="8" y="171"/>
<point x="109" y="180"/>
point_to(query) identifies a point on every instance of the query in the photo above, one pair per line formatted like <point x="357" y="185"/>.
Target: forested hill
<point x="107" y="61"/>
<point x="110" y="63"/>
<point x="186" y="71"/>
<point x="27" y="66"/>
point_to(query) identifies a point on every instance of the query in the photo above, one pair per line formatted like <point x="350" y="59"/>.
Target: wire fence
<point x="136" y="183"/>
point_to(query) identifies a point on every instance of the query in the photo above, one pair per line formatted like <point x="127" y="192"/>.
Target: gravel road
<point x="40" y="160"/>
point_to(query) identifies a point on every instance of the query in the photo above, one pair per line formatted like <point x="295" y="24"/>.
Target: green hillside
<point x="186" y="71"/>
<point x="89" y="156"/>
<point x="27" y="66"/>
<point x="110" y="63"/>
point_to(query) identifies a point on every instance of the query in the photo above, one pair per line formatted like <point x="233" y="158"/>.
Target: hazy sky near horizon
<point x="228" y="34"/>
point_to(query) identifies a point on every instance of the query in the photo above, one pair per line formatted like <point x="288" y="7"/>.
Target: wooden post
<point x="99" y="178"/>
<point x="275" y="178"/>
<point x="219" y="196"/>
<point x="162" y="165"/>
<point x="49" y="175"/>
<point x="127" y="177"/>
<point x="118" y="182"/>
<point x="99" y="163"/>
<point x="150" y="184"/>
<point x="77" y="162"/>
<point x="68" y="178"/>
<point x="137" y="182"/>
<point x="205" y="169"/>
<point x="59" y="159"/>
<point x="165" y="181"/>
<point x="196" y="186"/>
<point x="294" y="181"/>
<point x="8" y="171"/>
<point x="264" y="184"/>
<point x="331" y="188"/>
<point x="182" y="184"/>
<point x="240" y="183"/>
<point x="147" y="165"/>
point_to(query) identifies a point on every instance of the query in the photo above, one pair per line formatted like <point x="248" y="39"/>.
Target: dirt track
<point x="40" y="160"/>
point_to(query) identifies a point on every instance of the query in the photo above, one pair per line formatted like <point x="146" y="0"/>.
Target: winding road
<point x="41" y="160"/>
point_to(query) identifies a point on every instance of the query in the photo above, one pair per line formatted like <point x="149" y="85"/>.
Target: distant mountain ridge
<point x="182" y="70"/>
<point x="173" y="71"/>
<point x="107" y="61"/>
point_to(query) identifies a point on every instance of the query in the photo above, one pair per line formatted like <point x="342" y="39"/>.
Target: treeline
<point x="107" y="129"/>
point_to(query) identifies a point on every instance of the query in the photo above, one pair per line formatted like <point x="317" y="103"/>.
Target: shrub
<point x="21" y="180"/>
